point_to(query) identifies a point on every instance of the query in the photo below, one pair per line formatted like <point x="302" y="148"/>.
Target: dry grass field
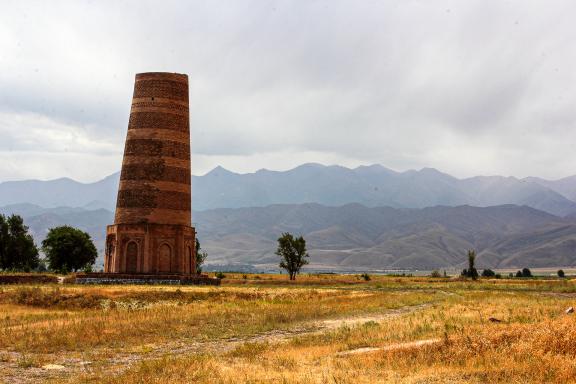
<point x="262" y="328"/>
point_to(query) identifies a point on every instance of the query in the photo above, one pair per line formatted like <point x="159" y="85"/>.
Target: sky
<point x="468" y="87"/>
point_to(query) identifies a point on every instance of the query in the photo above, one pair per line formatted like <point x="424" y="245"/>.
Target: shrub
<point x="488" y="273"/>
<point x="37" y="297"/>
<point x="519" y="274"/>
<point x="435" y="273"/>
<point x="365" y="276"/>
<point x="220" y="275"/>
<point x="561" y="273"/>
<point x="526" y="272"/>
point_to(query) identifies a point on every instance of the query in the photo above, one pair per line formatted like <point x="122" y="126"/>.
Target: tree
<point x="519" y="274"/>
<point x="200" y="257"/>
<point x="293" y="252"/>
<point x="17" y="249"/>
<point x="471" y="271"/>
<point x="436" y="273"/>
<point x="561" y="273"/>
<point x="488" y="273"/>
<point x="69" y="249"/>
<point x="526" y="272"/>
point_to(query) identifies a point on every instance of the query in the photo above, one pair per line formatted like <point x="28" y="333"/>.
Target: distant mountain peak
<point x="310" y="165"/>
<point x="431" y="171"/>
<point x="374" y="168"/>
<point x="220" y="171"/>
<point x="334" y="185"/>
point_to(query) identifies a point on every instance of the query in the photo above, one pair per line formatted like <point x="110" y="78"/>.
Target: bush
<point x="526" y="272"/>
<point x="488" y="273"/>
<point x="561" y="273"/>
<point x="37" y="297"/>
<point x="519" y="274"/>
<point x="435" y="273"/>
<point x="365" y="276"/>
<point x="220" y="275"/>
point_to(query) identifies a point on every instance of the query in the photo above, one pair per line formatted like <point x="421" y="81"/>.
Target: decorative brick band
<point x="152" y="216"/>
<point x="159" y="134"/>
<point x="161" y="88"/>
<point x="166" y="161"/>
<point x="174" y="109"/>
<point x="155" y="147"/>
<point x="150" y="198"/>
<point x="155" y="171"/>
<point x="160" y="100"/>
<point x="159" y="185"/>
<point x="163" y="76"/>
<point x="158" y="120"/>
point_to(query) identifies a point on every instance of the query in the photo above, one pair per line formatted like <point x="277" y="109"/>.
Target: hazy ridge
<point x="367" y="217"/>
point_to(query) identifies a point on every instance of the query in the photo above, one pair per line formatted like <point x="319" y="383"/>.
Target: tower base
<point x="124" y="278"/>
<point x="150" y="249"/>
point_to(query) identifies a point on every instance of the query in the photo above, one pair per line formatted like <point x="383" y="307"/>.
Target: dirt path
<point x="13" y="366"/>
<point x="391" y="347"/>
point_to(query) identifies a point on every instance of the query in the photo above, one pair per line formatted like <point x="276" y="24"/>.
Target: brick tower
<point x="152" y="232"/>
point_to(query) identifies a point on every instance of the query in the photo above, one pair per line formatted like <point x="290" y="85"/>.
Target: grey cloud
<point x="402" y="83"/>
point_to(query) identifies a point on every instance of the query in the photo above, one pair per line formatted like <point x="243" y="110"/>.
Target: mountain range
<point x="355" y="237"/>
<point x="365" y="218"/>
<point x="372" y="186"/>
<point x="358" y="237"/>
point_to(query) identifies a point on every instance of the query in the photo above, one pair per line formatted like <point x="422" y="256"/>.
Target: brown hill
<point x="357" y="237"/>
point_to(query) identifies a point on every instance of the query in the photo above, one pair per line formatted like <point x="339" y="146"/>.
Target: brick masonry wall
<point x="151" y="232"/>
<point x="155" y="178"/>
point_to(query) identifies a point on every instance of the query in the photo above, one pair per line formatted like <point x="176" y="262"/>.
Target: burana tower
<point x="152" y="232"/>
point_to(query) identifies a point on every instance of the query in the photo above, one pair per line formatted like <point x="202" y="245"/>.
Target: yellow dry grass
<point x="140" y="334"/>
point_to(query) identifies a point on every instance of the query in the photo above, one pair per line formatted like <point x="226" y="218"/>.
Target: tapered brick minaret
<point x="152" y="231"/>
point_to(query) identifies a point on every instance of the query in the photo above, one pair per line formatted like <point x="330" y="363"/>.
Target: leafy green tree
<point x="526" y="272"/>
<point x="69" y="249"/>
<point x="488" y="273"/>
<point x="17" y="249"/>
<point x="200" y="257"/>
<point x="293" y="252"/>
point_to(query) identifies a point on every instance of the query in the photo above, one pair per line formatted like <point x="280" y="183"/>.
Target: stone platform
<point x="136" y="278"/>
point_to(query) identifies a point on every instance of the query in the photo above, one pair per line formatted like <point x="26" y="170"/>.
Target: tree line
<point x="66" y="249"/>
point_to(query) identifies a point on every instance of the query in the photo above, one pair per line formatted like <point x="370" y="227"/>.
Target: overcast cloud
<point x="468" y="87"/>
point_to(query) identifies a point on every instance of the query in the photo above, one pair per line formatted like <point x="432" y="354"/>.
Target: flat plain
<point x="320" y="329"/>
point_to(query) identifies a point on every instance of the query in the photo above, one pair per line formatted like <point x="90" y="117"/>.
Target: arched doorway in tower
<point x="132" y="257"/>
<point x="164" y="258"/>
